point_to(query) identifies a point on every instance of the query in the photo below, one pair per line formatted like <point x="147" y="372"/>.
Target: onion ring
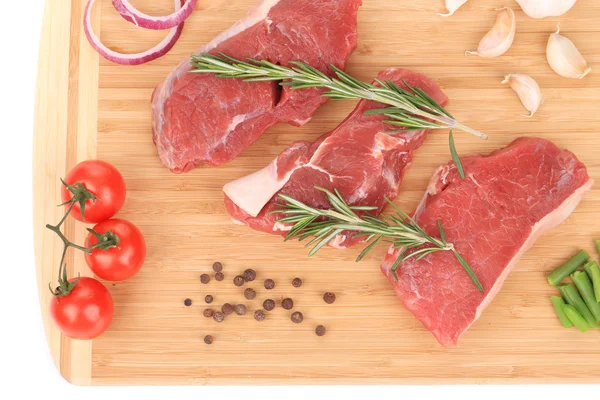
<point x="131" y="14"/>
<point x="131" y="59"/>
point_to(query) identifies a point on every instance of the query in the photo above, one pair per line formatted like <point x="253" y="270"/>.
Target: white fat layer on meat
<point x="254" y="16"/>
<point x="252" y="192"/>
<point x="549" y="222"/>
<point x="337" y="241"/>
<point x="279" y="226"/>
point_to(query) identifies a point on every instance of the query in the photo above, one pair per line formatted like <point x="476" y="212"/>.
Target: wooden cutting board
<point x="88" y="108"/>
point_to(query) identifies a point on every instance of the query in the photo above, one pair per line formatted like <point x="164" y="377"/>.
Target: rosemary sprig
<point x="399" y="229"/>
<point x="411" y="108"/>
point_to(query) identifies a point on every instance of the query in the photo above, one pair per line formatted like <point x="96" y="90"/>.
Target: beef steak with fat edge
<point x="360" y="158"/>
<point x="507" y="201"/>
<point x="201" y="119"/>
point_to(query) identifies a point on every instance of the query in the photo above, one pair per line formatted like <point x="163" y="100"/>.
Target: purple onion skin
<point x="131" y="14"/>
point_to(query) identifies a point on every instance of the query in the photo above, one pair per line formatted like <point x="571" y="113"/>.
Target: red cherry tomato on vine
<point x="100" y="179"/>
<point x="122" y="260"/>
<point x="85" y="311"/>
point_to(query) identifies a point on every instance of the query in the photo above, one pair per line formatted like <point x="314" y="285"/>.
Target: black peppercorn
<point x="249" y="293"/>
<point x="249" y="275"/>
<point x="320" y="330"/>
<point x="240" y="309"/>
<point x="227" y="309"/>
<point x="269" y="284"/>
<point x="238" y="280"/>
<point x="329" y="297"/>
<point x="217" y="267"/>
<point x="208" y="299"/>
<point x="208" y="339"/>
<point x="187" y="302"/>
<point x="204" y="278"/>
<point x="287" y="304"/>
<point x="208" y="313"/>
<point x="219" y="276"/>
<point x="297" y="317"/>
<point x="297" y="282"/>
<point x="269" y="305"/>
<point x="219" y="316"/>
<point x="259" y="315"/>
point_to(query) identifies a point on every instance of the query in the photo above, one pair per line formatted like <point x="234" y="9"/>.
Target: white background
<point x="25" y="364"/>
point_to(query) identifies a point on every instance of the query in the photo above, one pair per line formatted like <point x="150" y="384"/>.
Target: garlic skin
<point x="564" y="58"/>
<point x="452" y="6"/>
<point x="528" y="91"/>
<point x="546" y="8"/>
<point x="500" y="37"/>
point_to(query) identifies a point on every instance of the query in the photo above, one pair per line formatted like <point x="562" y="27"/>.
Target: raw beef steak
<point x="202" y="119"/>
<point x="507" y="201"/>
<point x="360" y="158"/>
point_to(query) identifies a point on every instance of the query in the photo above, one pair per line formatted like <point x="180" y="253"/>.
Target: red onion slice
<point x="131" y="14"/>
<point x="131" y="59"/>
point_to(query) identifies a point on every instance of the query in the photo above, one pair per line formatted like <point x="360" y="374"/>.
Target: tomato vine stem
<point x="105" y="240"/>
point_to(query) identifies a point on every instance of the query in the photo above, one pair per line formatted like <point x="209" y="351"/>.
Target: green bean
<point x="593" y="272"/>
<point x="576" y="318"/>
<point x="573" y="298"/>
<point x="558" y="304"/>
<point x="584" y="285"/>
<point x="556" y="277"/>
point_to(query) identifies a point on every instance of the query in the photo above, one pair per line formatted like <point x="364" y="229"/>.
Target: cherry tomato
<point x="102" y="180"/>
<point x="85" y="312"/>
<point x="120" y="261"/>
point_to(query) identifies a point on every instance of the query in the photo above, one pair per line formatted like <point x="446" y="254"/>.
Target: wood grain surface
<point x="88" y="107"/>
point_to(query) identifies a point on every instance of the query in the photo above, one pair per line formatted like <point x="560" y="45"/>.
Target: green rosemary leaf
<point x="442" y="233"/>
<point x="469" y="270"/>
<point x="397" y="264"/>
<point x="368" y="248"/>
<point x="326" y="240"/>
<point x="455" y="157"/>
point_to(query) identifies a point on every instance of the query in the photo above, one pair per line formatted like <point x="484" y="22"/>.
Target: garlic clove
<point x="499" y="39"/>
<point x="564" y="58"/>
<point x="528" y="91"/>
<point x="546" y="8"/>
<point x="452" y="6"/>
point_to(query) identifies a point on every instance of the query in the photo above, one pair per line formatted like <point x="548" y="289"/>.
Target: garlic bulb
<point x="528" y="91"/>
<point x="452" y="6"/>
<point x="499" y="39"/>
<point x="564" y="58"/>
<point x="545" y="8"/>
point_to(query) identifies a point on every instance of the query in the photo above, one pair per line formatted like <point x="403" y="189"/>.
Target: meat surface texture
<point x="201" y="119"/>
<point x="507" y="201"/>
<point x="360" y="158"/>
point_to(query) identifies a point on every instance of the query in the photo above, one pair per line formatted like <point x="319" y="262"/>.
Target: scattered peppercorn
<point x="208" y="339"/>
<point x="269" y="305"/>
<point x="208" y="299"/>
<point x="287" y="304"/>
<point x="297" y="317"/>
<point x="238" y="280"/>
<point x="249" y="293"/>
<point x="219" y="316"/>
<point x="240" y="309"/>
<point x="329" y="297"/>
<point x="187" y="302"/>
<point x="249" y="275"/>
<point x="204" y="278"/>
<point x="217" y="267"/>
<point x="219" y="276"/>
<point x="297" y="282"/>
<point x="227" y="309"/>
<point x="320" y="330"/>
<point x="208" y="313"/>
<point x="269" y="284"/>
<point x="259" y="315"/>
